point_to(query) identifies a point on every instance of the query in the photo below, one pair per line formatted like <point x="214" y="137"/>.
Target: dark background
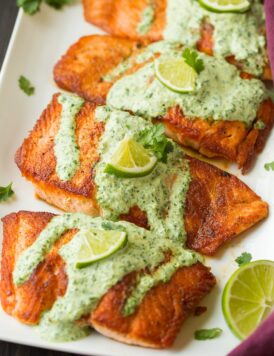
<point x="8" y="13"/>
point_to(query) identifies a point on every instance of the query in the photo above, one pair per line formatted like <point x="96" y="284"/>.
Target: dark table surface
<point x="8" y="12"/>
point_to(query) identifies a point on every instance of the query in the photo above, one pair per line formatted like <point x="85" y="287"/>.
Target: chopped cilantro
<point x="154" y="139"/>
<point x="110" y="226"/>
<point x="6" y="192"/>
<point x="269" y="166"/>
<point x="26" y="85"/>
<point x="31" y="7"/>
<point x="260" y="125"/>
<point x="244" y="258"/>
<point x="207" y="334"/>
<point x="191" y="57"/>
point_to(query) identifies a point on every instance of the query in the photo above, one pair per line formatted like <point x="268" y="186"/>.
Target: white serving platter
<point x="37" y="43"/>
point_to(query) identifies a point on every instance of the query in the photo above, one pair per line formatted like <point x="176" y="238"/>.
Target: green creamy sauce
<point x="86" y="286"/>
<point x="234" y="33"/>
<point x="142" y="56"/>
<point x="163" y="202"/>
<point x="220" y="93"/>
<point x="66" y="149"/>
<point x="146" y="21"/>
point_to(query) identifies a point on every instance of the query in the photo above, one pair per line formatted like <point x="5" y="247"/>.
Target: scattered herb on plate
<point x="207" y="334"/>
<point x="191" y="57"/>
<point x="269" y="166"/>
<point x="31" y="7"/>
<point x="244" y="258"/>
<point x="26" y="85"/>
<point x="6" y="192"/>
<point x="154" y="139"/>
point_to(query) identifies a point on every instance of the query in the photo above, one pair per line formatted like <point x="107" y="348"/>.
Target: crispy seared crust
<point x="157" y="321"/>
<point x="81" y="69"/>
<point x="35" y="158"/>
<point x="37" y="162"/>
<point x="121" y="18"/>
<point x="168" y="304"/>
<point x="231" y="140"/>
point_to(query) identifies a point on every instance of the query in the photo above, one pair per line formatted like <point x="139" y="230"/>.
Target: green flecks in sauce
<point x="220" y="93"/>
<point x="237" y="34"/>
<point x="144" y="250"/>
<point x="162" y="200"/>
<point x="146" y="20"/>
<point x="66" y="149"/>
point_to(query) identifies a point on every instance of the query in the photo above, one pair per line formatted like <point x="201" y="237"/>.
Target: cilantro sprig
<point x="31" y="7"/>
<point x="191" y="57"/>
<point x="207" y="334"/>
<point x="26" y="85"/>
<point x="244" y="258"/>
<point x="6" y="192"/>
<point x="269" y="166"/>
<point x="154" y="139"/>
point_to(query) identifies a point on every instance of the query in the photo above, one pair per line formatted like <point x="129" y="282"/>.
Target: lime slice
<point x="248" y="297"/>
<point x="98" y="244"/>
<point x="226" y="5"/>
<point x="131" y="159"/>
<point x="176" y="74"/>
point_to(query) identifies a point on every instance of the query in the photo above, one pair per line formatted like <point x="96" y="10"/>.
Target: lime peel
<point x="238" y="6"/>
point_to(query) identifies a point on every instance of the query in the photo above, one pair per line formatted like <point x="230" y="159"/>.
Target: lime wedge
<point x="131" y="159"/>
<point x="248" y="297"/>
<point x="176" y="74"/>
<point x="98" y="244"/>
<point x="226" y="5"/>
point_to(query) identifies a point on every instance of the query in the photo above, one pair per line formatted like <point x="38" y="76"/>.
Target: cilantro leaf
<point x="260" y="125"/>
<point x="155" y="140"/>
<point x="244" y="258"/>
<point x="269" y="166"/>
<point x="26" y="85"/>
<point x="207" y="334"/>
<point x="6" y="192"/>
<point x="57" y="4"/>
<point x="191" y="57"/>
<point x="31" y="7"/>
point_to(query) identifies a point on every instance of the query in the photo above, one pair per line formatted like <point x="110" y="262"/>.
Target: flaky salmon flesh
<point x="121" y="18"/>
<point x="157" y="319"/>
<point x="84" y="65"/>
<point x="218" y="205"/>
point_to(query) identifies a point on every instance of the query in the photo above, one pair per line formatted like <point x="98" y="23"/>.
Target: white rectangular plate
<point x="37" y="43"/>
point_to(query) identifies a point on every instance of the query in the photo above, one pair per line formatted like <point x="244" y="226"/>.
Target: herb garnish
<point x="207" y="334"/>
<point x="244" y="258"/>
<point x="269" y="166"/>
<point x="154" y="139"/>
<point x="191" y="57"/>
<point x="260" y="125"/>
<point x="26" y="85"/>
<point x="6" y="192"/>
<point x="31" y="7"/>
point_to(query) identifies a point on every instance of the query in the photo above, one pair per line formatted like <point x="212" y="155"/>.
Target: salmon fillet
<point x="156" y="321"/>
<point x="232" y="141"/>
<point x="218" y="207"/>
<point x="121" y="18"/>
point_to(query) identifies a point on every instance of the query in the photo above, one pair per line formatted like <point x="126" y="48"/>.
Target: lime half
<point x="248" y="297"/>
<point x="176" y="74"/>
<point x="98" y="244"/>
<point x="131" y="159"/>
<point x="226" y="5"/>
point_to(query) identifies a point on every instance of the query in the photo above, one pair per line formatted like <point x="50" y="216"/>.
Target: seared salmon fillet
<point x="169" y="304"/>
<point x="214" y="196"/>
<point x="230" y="140"/>
<point x="121" y="18"/>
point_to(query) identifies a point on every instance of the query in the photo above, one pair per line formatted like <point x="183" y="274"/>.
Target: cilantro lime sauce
<point x="146" y="20"/>
<point x="66" y="149"/>
<point x="163" y="202"/>
<point x="144" y="250"/>
<point x="220" y="93"/>
<point x="237" y="34"/>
